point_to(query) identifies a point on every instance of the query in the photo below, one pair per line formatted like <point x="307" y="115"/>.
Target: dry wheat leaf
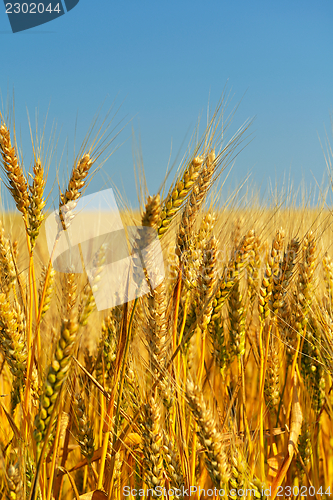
<point x="275" y="463"/>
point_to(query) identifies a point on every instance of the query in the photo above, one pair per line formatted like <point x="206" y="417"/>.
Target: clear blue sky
<point x="164" y="60"/>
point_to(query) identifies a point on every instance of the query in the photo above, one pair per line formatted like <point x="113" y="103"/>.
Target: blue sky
<point x="163" y="61"/>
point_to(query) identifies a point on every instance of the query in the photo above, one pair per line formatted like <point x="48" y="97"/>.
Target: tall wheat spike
<point x="17" y="183"/>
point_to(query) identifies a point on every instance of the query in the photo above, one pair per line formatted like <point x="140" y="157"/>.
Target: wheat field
<point x="216" y="383"/>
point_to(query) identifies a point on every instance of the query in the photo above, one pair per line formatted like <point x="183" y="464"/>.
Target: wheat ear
<point x="328" y="278"/>
<point x="18" y="185"/>
<point x="85" y="434"/>
<point x="58" y="370"/>
<point x="282" y="281"/>
<point x="306" y="280"/>
<point x="76" y="183"/>
<point x="178" y="194"/>
<point x="106" y="351"/>
<point x="191" y="210"/>
<point x="37" y="203"/>
<point x="153" y="447"/>
<point x="211" y="439"/>
<point x="173" y="467"/>
<point x="13" y="344"/>
<point x="14" y="487"/>
<point x="271" y="270"/>
<point x="7" y="266"/>
<point x="48" y="291"/>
